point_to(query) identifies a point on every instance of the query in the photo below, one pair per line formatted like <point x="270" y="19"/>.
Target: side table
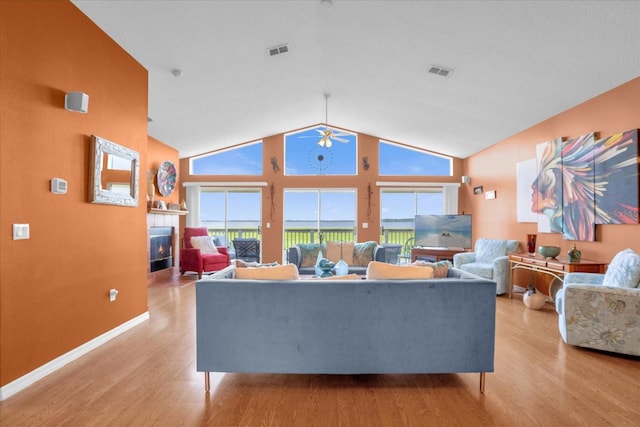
<point x="556" y="267"/>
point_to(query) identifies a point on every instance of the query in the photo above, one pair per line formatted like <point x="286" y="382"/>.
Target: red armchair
<point x="192" y="259"/>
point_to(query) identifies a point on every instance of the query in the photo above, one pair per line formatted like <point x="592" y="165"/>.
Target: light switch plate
<point x="20" y="231"/>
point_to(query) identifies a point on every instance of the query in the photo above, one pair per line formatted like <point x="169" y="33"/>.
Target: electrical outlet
<point x="113" y="294"/>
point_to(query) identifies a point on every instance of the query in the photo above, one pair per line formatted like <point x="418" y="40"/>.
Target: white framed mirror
<point x="116" y="173"/>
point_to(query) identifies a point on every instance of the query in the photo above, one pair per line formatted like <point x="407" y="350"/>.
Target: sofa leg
<point x="207" y="382"/>
<point x="199" y="275"/>
<point x="482" y="380"/>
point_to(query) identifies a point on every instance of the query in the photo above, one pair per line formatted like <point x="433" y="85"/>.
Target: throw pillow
<point x="440" y="268"/>
<point x="205" y="245"/>
<point x="363" y="253"/>
<point x="279" y="272"/>
<point x="624" y="270"/>
<point x="382" y="270"/>
<point x="340" y="250"/>
<point x="309" y="254"/>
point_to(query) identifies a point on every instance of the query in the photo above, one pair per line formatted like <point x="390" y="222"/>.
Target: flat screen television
<point x="443" y="231"/>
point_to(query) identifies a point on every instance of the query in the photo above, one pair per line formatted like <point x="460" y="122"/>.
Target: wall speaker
<point x="466" y="179"/>
<point x="76" y="101"/>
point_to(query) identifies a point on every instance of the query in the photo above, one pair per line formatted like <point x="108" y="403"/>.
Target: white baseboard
<point x="57" y="363"/>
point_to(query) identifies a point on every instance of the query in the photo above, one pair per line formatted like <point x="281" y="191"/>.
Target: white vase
<point x="318" y="270"/>
<point x="533" y="299"/>
<point x="342" y="268"/>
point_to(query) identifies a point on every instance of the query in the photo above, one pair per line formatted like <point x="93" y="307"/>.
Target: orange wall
<point x="54" y="287"/>
<point x="495" y="169"/>
<point x="273" y="146"/>
<point x="157" y="153"/>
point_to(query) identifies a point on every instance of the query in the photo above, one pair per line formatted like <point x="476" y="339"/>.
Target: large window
<point x="399" y="160"/>
<point x="243" y="160"/>
<point x="398" y="208"/>
<point x="303" y="155"/>
<point x="232" y="213"/>
<point x="314" y="215"/>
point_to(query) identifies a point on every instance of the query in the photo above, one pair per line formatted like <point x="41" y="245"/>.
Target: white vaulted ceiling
<point x="514" y="64"/>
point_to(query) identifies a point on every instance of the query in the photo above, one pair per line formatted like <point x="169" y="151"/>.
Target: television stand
<point x="434" y="254"/>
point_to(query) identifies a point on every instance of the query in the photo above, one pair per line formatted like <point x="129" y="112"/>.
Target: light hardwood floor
<point x="147" y="377"/>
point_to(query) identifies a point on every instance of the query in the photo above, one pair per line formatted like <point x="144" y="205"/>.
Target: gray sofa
<point x="295" y="256"/>
<point x="346" y="326"/>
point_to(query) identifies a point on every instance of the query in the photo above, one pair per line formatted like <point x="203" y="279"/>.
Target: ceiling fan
<point x="327" y="136"/>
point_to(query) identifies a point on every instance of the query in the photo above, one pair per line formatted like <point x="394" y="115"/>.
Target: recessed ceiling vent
<point x="440" y="71"/>
<point x="277" y="50"/>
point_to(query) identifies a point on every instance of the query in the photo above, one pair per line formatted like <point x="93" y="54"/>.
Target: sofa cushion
<point x="382" y="270"/>
<point x="340" y="250"/>
<point x="624" y="270"/>
<point x="481" y="269"/>
<point x="205" y="244"/>
<point x="279" y="272"/>
<point x="363" y="253"/>
<point x="309" y="254"/>
<point x="440" y="268"/>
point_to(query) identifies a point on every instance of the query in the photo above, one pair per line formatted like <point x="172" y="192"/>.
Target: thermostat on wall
<point x="58" y="186"/>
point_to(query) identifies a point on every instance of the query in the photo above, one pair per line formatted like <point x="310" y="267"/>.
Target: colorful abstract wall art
<point x="578" y="194"/>
<point x="583" y="182"/>
<point x="616" y="179"/>
<point x="526" y="173"/>
<point x="546" y="199"/>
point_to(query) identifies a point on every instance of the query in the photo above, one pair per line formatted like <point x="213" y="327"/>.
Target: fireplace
<point x="160" y="248"/>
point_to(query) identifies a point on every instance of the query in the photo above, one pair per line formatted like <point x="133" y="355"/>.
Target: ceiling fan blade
<point x="341" y="134"/>
<point x="337" y="138"/>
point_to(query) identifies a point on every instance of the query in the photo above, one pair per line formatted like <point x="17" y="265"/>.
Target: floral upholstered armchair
<point x="489" y="260"/>
<point x="602" y="311"/>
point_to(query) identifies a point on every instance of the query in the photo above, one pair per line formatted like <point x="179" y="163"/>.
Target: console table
<point x="556" y="267"/>
<point x="438" y="254"/>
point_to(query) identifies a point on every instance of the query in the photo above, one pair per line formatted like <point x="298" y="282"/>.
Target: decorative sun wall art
<point x="580" y="183"/>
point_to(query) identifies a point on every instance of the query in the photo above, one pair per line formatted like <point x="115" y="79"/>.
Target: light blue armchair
<point x="489" y="260"/>
<point x="602" y="311"/>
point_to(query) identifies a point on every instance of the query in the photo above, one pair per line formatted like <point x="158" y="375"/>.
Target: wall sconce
<point x="274" y="164"/>
<point x="365" y="163"/>
<point x="76" y="101"/>
<point x="466" y="179"/>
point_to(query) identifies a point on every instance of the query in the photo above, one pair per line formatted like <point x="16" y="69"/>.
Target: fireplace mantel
<point x="167" y="211"/>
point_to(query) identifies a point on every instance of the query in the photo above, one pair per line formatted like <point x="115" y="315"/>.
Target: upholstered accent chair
<point x="489" y="259"/>
<point x="247" y="249"/>
<point x="199" y="254"/>
<point x="602" y="311"/>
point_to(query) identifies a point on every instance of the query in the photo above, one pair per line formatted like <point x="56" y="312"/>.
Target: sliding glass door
<point x="398" y="208"/>
<point x="231" y="213"/>
<point x="318" y="215"/>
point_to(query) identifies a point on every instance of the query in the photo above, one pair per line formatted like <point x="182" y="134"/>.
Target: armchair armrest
<point x="599" y="317"/>
<point x="225" y="251"/>
<point x="463" y="258"/>
<point x="190" y="259"/>
<point x="379" y="253"/>
<point x="294" y="256"/>
<point x="583" y="278"/>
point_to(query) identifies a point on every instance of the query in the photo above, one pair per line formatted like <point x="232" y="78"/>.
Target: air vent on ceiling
<point x="441" y="71"/>
<point x="277" y="50"/>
